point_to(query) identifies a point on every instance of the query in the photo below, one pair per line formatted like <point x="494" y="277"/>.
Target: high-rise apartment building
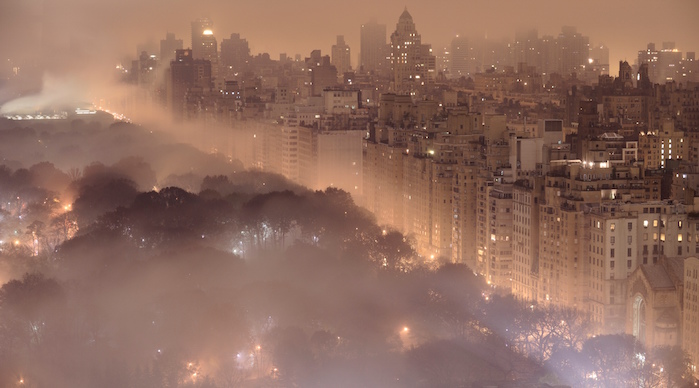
<point x="526" y="196"/>
<point x="373" y="47"/>
<point x="664" y="64"/>
<point x="690" y="326"/>
<point x="204" y="45"/>
<point x="202" y="35"/>
<point x="235" y="55"/>
<point x="459" y="63"/>
<point x="526" y="48"/>
<point x="186" y="75"/>
<point x="322" y="73"/>
<point x="168" y="46"/>
<point x="599" y="58"/>
<point x="573" y="51"/>
<point x="412" y="62"/>
<point x="341" y="56"/>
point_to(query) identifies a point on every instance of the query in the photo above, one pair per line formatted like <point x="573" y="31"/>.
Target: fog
<point x="79" y="36"/>
<point x="129" y="259"/>
<point x="242" y="279"/>
<point x="149" y="252"/>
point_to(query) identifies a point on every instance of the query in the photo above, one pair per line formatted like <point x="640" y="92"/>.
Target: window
<point x="679" y="237"/>
<point x="629" y="226"/>
<point x="628" y="252"/>
<point x="628" y="263"/>
<point x="611" y="264"/>
<point x="612" y="239"/>
<point x="629" y="239"/>
<point x="655" y="223"/>
<point x="611" y="252"/>
<point x="645" y="223"/>
<point x="679" y="250"/>
<point x="612" y="226"/>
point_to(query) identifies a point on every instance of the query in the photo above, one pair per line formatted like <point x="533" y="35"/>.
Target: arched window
<point x="639" y="319"/>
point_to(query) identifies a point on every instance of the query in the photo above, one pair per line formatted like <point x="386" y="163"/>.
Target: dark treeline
<point x="240" y="278"/>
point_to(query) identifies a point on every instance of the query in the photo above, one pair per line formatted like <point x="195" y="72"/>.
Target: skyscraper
<point x="168" y="46"/>
<point x="373" y="48"/>
<point x="235" y="54"/>
<point x="573" y="51"/>
<point x="186" y="73"/>
<point x="459" y="63"/>
<point x="663" y="65"/>
<point x="526" y="47"/>
<point x="202" y="33"/>
<point x="204" y="45"/>
<point x="341" y="56"/>
<point x="412" y="62"/>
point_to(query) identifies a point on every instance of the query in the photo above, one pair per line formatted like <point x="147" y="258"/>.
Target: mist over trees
<point x="131" y="260"/>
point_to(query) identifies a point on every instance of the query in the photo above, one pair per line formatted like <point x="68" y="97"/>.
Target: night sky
<point x="113" y="29"/>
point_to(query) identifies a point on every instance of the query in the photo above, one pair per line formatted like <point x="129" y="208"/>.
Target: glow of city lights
<point x="208" y="32"/>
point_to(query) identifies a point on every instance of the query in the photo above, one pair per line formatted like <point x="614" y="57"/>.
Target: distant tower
<point x="185" y="74"/>
<point x="459" y="63"/>
<point x="625" y="79"/>
<point x="573" y="51"/>
<point x="600" y="56"/>
<point x="412" y="62"/>
<point x="204" y="45"/>
<point x="235" y="55"/>
<point x="168" y="46"/>
<point x="323" y="73"/>
<point x="341" y="56"/>
<point x="202" y="30"/>
<point x="373" y="48"/>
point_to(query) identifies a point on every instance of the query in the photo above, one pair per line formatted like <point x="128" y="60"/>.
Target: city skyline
<point x="114" y="30"/>
<point x="206" y="194"/>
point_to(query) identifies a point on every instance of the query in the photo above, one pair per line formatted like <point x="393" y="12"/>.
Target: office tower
<point x="459" y="63"/>
<point x="412" y="62"/>
<point x="235" y="55"/>
<point x="373" y="48"/>
<point x="168" y="46"/>
<point x="341" y="56"/>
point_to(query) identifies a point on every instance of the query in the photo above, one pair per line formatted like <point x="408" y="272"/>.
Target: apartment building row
<point x="538" y="219"/>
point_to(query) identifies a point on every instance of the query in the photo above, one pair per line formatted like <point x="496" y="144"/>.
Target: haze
<point x="309" y="193"/>
<point x="112" y="29"/>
